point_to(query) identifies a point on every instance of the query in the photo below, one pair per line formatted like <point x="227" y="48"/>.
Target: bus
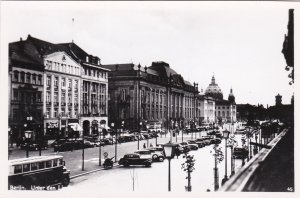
<point x="38" y="173"/>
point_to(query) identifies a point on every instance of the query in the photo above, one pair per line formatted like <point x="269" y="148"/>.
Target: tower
<point x="278" y="100"/>
<point x="231" y="97"/>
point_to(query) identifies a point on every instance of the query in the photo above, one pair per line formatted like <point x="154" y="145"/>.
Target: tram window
<point x="54" y="162"/>
<point x="41" y="165"/>
<point x="18" y="169"/>
<point x="60" y="162"/>
<point x="26" y="167"/>
<point x="34" y="166"/>
<point x="49" y="164"/>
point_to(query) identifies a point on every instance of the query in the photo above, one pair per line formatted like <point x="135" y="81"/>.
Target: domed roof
<point x="214" y="90"/>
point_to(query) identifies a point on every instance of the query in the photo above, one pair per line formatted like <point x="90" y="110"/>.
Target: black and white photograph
<point x="157" y="98"/>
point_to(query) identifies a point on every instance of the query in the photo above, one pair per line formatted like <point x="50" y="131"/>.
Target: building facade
<point x="63" y="90"/>
<point x="26" y="83"/>
<point x="225" y="110"/>
<point x="93" y="92"/>
<point x="139" y="96"/>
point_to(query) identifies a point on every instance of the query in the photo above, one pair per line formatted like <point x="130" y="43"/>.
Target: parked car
<point x="199" y="144"/>
<point x="155" y="155"/>
<point x="67" y="146"/>
<point x="88" y="144"/>
<point x="34" y="146"/>
<point x="184" y="147"/>
<point x="135" y="159"/>
<point x="216" y="141"/>
<point x="240" y="153"/>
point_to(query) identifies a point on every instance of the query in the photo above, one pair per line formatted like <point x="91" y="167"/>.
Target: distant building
<point x="283" y="112"/>
<point x="225" y="110"/>
<point x="278" y="100"/>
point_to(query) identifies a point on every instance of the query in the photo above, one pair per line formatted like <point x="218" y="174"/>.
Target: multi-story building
<point x="25" y="90"/>
<point x="156" y="94"/>
<point x="94" y="90"/>
<point x="225" y="110"/>
<point x="63" y="89"/>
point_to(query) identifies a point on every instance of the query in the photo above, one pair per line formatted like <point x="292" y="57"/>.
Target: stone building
<point x="156" y="94"/>
<point x="93" y="90"/>
<point x="225" y="110"/>
<point x="26" y="83"/>
<point x="64" y="88"/>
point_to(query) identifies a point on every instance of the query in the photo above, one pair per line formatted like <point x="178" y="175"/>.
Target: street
<point x="140" y="178"/>
<point x="155" y="178"/>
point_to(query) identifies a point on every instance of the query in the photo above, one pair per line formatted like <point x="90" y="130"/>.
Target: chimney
<point x="21" y="39"/>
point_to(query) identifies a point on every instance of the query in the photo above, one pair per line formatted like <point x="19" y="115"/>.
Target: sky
<point x="239" y="42"/>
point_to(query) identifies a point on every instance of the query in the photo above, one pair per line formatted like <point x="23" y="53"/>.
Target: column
<point x="67" y="98"/>
<point x="44" y="92"/>
<point x="59" y="94"/>
<point x="52" y="96"/>
<point x="73" y="90"/>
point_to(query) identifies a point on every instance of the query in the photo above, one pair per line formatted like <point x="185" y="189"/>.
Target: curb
<point x="92" y="171"/>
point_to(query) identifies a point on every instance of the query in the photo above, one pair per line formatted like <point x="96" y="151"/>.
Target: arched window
<point x="223" y="113"/>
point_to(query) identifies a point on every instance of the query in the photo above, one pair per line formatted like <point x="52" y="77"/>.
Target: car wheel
<point x="66" y="181"/>
<point x="125" y="164"/>
<point x="154" y="156"/>
<point x="161" y="159"/>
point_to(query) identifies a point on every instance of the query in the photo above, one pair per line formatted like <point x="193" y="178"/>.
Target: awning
<point x="75" y="126"/>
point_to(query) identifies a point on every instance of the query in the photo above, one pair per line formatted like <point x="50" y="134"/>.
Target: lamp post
<point x="140" y="124"/>
<point x="114" y="129"/>
<point x="225" y="135"/>
<point x="147" y="126"/>
<point x="102" y="127"/>
<point x="182" y="129"/>
<point x="169" y="151"/>
<point x="82" y="166"/>
<point x="248" y="142"/>
<point x="28" y="135"/>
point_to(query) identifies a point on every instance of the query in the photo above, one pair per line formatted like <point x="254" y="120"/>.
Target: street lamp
<point x="112" y="125"/>
<point x="28" y="135"/>
<point x="102" y="127"/>
<point x="226" y="136"/>
<point x="169" y="152"/>
<point x="140" y="124"/>
<point x="147" y="126"/>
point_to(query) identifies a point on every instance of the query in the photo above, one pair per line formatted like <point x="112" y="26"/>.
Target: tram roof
<point x="34" y="159"/>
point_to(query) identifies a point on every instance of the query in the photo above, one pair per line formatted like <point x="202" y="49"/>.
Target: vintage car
<point x="135" y="159"/>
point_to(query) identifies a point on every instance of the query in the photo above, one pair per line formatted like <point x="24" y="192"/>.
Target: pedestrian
<point x="144" y="146"/>
<point x="151" y="145"/>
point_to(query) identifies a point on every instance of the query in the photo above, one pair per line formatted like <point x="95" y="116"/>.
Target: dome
<point x="213" y="90"/>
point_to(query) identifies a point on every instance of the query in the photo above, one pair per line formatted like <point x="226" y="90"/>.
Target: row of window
<point x="223" y="113"/>
<point x="63" y="112"/>
<point x="27" y="77"/>
<point x="23" y="168"/>
<point x="95" y="73"/>
<point x="63" y="97"/>
<point x="60" y="67"/>
<point x="26" y="96"/>
<point x="62" y="82"/>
